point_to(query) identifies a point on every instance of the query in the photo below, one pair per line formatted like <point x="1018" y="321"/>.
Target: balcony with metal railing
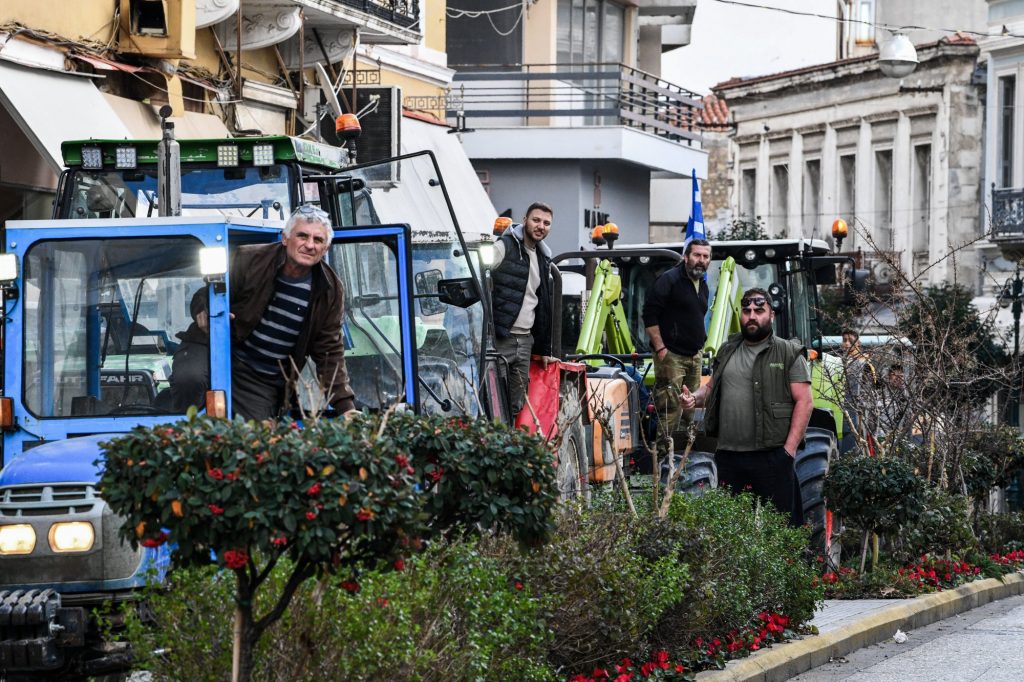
<point x="566" y="95"/>
<point x="394" y="22"/>
<point x="558" y="110"/>
<point x="1008" y="220"/>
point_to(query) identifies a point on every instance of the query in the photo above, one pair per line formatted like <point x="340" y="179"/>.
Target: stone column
<point x="830" y="182"/>
<point x="764" y="172"/>
<point x="864" y="207"/>
<point x="794" y="216"/>
<point x="902" y="224"/>
<point x="938" y="235"/>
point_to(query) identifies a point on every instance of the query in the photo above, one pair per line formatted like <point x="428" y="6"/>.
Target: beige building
<point x="104" y="68"/>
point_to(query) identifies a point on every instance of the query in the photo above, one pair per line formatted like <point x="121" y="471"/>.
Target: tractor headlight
<point x="92" y="158"/>
<point x="19" y="538"/>
<point x="126" y="157"/>
<point x="213" y="261"/>
<point x="227" y="155"/>
<point x="263" y="155"/>
<point x="72" y="536"/>
<point x="487" y="254"/>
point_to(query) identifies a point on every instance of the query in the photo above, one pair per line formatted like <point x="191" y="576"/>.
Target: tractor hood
<point x="57" y="462"/>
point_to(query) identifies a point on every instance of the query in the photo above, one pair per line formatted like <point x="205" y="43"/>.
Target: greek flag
<point x="695" y="225"/>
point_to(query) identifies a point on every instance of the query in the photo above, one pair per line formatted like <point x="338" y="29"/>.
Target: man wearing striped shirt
<point x="286" y="306"/>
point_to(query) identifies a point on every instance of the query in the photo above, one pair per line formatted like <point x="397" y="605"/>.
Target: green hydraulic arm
<point x="604" y="316"/>
<point x="725" y="314"/>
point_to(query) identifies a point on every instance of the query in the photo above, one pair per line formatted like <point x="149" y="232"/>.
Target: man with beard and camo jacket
<point x="757" y="404"/>
<point x="674" y="314"/>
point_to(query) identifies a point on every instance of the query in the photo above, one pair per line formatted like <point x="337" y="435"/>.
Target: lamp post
<point x="1012" y="296"/>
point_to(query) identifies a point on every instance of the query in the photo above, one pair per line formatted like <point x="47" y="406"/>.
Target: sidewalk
<point x="848" y="625"/>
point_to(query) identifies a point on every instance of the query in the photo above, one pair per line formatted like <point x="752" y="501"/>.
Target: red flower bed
<point x="705" y="654"/>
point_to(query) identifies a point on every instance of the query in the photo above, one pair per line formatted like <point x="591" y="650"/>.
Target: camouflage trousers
<point x="670" y="375"/>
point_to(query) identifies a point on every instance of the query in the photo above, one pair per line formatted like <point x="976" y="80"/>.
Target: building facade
<point x="1004" y="131"/>
<point x="901" y="163"/>
<point x="565" y="105"/>
<point x="225" y="68"/>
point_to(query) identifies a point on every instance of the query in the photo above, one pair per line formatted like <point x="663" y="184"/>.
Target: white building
<point x="899" y="161"/>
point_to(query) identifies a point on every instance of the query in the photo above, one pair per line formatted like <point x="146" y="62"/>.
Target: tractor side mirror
<point x="460" y="292"/>
<point x="427" y="291"/>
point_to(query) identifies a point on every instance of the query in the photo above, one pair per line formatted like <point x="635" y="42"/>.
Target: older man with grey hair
<point x="286" y="306"/>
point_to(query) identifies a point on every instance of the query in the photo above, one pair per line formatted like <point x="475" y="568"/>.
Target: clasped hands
<point x="687" y="400"/>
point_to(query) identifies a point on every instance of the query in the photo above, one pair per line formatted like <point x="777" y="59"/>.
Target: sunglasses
<point x="310" y="210"/>
<point x="756" y="301"/>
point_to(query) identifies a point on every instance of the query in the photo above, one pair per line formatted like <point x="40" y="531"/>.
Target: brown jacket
<point x="253" y="270"/>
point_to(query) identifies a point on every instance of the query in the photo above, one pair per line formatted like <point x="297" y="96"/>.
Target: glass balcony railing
<point x="574" y="95"/>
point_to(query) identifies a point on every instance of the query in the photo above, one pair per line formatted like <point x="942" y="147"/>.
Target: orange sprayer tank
<point x="614" y="387"/>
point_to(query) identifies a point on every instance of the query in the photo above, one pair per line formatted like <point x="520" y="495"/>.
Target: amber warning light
<point x="839" y="232"/>
<point x="501" y="223"/>
<point x="347" y="127"/>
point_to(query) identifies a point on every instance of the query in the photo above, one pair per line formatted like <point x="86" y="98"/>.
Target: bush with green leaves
<point x="743" y="558"/>
<point x="993" y="458"/>
<point x="875" y="494"/>
<point x="999" y="532"/>
<point x="605" y="595"/>
<point x="480" y="472"/>
<point x="332" y="496"/>
<point x="453" y="614"/>
<point x="944" y="526"/>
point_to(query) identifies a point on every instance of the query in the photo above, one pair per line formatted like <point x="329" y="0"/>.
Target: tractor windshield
<point x="448" y="338"/>
<point x="261" y="192"/>
<point x="101" y="322"/>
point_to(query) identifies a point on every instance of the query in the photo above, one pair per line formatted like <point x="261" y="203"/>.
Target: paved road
<point x="984" y="644"/>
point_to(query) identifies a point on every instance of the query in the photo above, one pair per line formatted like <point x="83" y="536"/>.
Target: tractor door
<point x="448" y="321"/>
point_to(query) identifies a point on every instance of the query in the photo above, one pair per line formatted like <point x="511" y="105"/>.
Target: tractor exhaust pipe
<point x="168" y="173"/>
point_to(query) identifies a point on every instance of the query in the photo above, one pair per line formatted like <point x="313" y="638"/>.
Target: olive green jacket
<point x="773" y="400"/>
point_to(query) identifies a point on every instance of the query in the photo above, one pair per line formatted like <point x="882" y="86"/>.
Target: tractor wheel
<point x="698" y="476"/>
<point x="811" y="466"/>
<point x="573" y="461"/>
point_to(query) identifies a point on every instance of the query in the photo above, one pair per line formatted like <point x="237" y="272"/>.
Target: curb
<point x="789" y="659"/>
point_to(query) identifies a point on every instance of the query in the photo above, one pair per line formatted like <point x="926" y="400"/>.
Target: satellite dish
<point x="328" y="89"/>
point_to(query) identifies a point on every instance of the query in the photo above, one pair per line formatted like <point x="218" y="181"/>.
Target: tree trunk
<point x="864" y="551"/>
<point x="241" y="664"/>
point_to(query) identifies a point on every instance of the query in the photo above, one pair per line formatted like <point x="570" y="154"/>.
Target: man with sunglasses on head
<point x="286" y="306"/>
<point x="674" y="314"/>
<point x="757" y="404"/>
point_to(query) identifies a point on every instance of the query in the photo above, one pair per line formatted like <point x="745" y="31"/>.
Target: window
<point x="920" y="193"/>
<point x="812" y="198"/>
<point x="1007" y="94"/>
<point x="883" y="199"/>
<point x="102" y="319"/>
<point x="780" y="200"/>
<point x="864" y="17"/>
<point x="848" y="194"/>
<point x="748" y="194"/>
<point x="590" y="31"/>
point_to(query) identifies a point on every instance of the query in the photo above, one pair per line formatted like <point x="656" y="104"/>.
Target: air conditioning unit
<point x="381" y="124"/>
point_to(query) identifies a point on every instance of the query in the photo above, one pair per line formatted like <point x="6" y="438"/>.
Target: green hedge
<point x="606" y="586"/>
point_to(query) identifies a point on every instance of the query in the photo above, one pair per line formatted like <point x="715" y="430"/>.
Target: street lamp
<point x="1013" y="295"/>
<point x="897" y="57"/>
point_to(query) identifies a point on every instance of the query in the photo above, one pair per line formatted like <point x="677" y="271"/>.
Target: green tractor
<point x="603" y="293"/>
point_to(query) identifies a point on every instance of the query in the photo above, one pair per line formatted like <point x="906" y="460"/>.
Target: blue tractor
<point x="94" y="300"/>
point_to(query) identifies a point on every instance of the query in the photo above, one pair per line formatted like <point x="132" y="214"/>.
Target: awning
<point x="143" y="122"/>
<point x="51" y="108"/>
<point x="473" y="207"/>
